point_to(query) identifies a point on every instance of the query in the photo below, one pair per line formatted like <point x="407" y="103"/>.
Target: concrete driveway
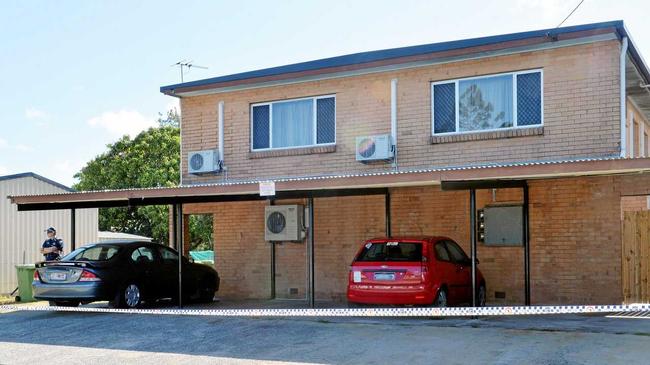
<point x="102" y="338"/>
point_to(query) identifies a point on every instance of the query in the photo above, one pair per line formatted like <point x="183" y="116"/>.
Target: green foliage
<point x="201" y="232"/>
<point x="151" y="159"/>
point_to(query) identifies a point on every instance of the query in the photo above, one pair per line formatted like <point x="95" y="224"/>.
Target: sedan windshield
<point x="93" y="253"/>
<point x="391" y="251"/>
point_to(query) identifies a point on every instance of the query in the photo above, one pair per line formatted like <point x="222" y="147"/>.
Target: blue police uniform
<point x="53" y="242"/>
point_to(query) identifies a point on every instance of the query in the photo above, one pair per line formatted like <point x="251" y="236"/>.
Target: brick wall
<point x="342" y="224"/>
<point x="634" y="204"/>
<point x="575" y="239"/>
<point x="577" y="121"/>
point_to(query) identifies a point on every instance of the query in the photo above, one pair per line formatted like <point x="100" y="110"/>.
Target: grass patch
<point x="6" y="299"/>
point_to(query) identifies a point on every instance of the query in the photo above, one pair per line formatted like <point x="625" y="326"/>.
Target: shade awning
<point x="366" y="183"/>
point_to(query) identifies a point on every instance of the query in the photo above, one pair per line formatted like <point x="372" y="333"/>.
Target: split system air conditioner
<point x="375" y="148"/>
<point x="284" y="223"/>
<point x="203" y="162"/>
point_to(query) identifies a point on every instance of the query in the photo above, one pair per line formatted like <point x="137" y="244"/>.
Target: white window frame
<point x="514" y="75"/>
<point x="314" y="113"/>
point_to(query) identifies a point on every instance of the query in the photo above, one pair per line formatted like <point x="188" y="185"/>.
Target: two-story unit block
<point x="544" y="105"/>
<point x="530" y="144"/>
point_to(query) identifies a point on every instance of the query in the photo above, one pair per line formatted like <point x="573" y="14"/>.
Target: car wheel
<point x="66" y="303"/>
<point x="441" y="299"/>
<point x="130" y="296"/>
<point x="206" y="291"/>
<point x="480" y="296"/>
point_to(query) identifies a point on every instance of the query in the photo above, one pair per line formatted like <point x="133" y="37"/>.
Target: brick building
<point x="563" y="111"/>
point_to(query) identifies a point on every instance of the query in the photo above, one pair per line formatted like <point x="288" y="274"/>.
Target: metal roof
<point x="245" y="188"/>
<point x="396" y="53"/>
<point x="109" y="235"/>
<point x="38" y="177"/>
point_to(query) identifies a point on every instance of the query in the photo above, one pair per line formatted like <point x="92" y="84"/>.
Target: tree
<point x="475" y="113"/>
<point x="151" y="159"/>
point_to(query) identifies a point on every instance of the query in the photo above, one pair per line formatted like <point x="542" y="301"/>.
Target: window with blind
<point x="486" y="103"/>
<point x="304" y="122"/>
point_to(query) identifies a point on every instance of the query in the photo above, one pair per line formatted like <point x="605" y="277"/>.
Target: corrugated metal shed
<point x="21" y="233"/>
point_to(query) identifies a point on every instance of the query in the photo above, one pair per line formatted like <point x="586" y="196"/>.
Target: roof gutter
<point x="622" y="60"/>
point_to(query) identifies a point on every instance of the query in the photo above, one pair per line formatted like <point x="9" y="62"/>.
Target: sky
<point x="77" y="75"/>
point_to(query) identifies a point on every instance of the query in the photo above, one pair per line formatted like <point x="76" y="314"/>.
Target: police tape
<point x="352" y="312"/>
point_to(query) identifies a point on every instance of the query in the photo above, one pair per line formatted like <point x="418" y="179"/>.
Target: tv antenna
<point x="182" y="64"/>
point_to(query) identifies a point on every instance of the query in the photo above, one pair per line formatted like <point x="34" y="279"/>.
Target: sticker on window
<point x="392" y="243"/>
<point x="368" y="245"/>
<point x="356" y="276"/>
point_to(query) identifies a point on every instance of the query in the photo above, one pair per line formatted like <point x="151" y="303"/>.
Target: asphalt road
<point x="101" y="338"/>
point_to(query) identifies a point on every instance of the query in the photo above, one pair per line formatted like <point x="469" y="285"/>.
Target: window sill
<point x="292" y="152"/>
<point x="479" y="136"/>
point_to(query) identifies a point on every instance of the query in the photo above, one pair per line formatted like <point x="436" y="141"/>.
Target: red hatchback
<point x="418" y="271"/>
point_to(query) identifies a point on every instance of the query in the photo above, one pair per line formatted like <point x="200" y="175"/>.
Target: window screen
<point x="529" y="99"/>
<point x="325" y="120"/>
<point x="261" y="125"/>
<point x="444" y="107"/>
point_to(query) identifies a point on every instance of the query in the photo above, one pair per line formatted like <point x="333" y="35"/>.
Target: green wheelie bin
<point x="25" y="275"/>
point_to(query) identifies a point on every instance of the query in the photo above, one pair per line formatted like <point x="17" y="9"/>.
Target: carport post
<point x="526" y="239"/>
<point x="272" y="243"/>
<point x="73" y="230"/>
<point x="472" y="238"/>
<point x="387" y="211"/>
<point x="178" y="238"/>
<point x="310" y="250"/>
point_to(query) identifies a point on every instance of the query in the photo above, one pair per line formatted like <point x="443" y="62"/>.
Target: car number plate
<point x="384" y="276"/>
<point x="58" y="276"/>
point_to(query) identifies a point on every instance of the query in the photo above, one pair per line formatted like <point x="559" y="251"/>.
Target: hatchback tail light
<point x="88" y="276"/>
<point x="425" y="269"/>
<point x="36" y="276"/>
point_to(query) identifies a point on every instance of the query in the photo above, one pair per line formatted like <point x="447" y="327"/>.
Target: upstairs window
<point x="294" y="123"/>
<point x="487" y="103"/>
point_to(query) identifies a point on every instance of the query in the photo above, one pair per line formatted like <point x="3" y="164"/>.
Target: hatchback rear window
<point x="93" y="253"/>
<point x="391" y="251"/>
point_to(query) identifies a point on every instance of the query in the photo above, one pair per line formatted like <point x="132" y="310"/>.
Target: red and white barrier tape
<point x="354" y="312"/>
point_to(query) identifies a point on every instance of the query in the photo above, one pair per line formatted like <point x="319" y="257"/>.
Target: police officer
<point x="52" y="248"/>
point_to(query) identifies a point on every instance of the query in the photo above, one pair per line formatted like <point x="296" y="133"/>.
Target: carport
<point x="362" y="184"/>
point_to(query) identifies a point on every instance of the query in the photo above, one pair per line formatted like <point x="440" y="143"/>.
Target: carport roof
<point x="335" y="184"/>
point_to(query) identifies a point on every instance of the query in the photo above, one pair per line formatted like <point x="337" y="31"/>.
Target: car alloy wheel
<point x="132" y="296"/>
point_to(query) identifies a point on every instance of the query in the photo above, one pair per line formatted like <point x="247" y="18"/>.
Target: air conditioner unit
<point x="375" y="148"/>
<point x="284" y="223"/>
<point x="201" y="162"/>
